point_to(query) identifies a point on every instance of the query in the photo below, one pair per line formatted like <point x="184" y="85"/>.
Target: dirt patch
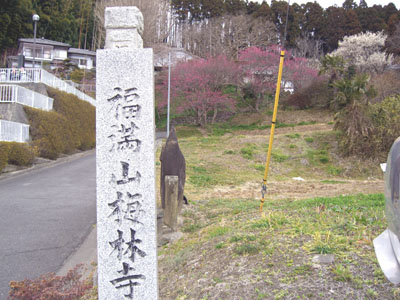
<point x="295" y="189"/>
<point x="288" y="130"/>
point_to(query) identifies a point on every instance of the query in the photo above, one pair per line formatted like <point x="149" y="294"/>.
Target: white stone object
<point x="171" y="210"/>
<point x="124" y="27"/>
<point x="126" y="203"/>
<point x="298" y="179"/>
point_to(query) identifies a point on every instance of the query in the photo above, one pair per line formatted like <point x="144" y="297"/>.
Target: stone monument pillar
<point x="126" y="203"/>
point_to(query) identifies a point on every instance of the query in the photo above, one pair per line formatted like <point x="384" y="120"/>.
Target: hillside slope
<point x="231" y="251"/>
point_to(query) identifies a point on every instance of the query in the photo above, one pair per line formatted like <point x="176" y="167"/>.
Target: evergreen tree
<point x="349" y="4"/>
<point x="352" y="25"/>
<point x="314" y="20"/>
<point x="15" y="22"/>
<point x="333" y="31"/>
<point x="392" y="43"/>
<point x="264" y="11"/>
<point x="235" y="7"/>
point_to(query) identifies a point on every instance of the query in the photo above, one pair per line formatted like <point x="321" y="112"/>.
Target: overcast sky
<point x="327" y="3"/>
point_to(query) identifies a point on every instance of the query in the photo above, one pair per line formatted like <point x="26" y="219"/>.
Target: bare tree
<point x="308" y="47"/>
<point x="158" y="21"/>
<point x="228" y="34"/>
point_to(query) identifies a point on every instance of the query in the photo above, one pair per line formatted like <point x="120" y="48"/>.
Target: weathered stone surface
<point x="126" y="205"/>
<point x="171" y="202"/>
<point x="323" y="259"/>
<point x="124" y="27"/>
<point x="172" y="163"/>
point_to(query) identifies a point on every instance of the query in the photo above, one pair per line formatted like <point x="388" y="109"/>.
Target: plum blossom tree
<point x="197" y="87"/>
<point x="260" y="71"/>
<point x="365" y="51"/>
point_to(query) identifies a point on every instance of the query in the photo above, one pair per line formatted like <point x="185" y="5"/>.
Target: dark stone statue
<point x="173" y="163"/>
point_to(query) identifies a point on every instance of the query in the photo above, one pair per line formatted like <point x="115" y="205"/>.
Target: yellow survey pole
<point x="271" y="136"/>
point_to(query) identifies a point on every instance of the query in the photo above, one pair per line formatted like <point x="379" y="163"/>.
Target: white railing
<point x="20" y="75"/>
<point x="39" y="75"/>
<point x="14" y="132"/>
<point x="8" y="93"/>
<point x="53" y="81"/>
<point x="19" y="94"/>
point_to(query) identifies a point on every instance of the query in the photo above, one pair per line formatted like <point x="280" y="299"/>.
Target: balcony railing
<point x="39" y="75"/>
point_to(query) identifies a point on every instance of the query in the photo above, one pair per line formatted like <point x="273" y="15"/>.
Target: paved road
<point x="45" y="215"/>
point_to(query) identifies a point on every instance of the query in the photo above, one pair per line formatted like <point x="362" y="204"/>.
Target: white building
<point x="52" y="52"/>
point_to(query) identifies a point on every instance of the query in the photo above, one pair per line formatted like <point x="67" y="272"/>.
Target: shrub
<point x="77" y="75"/>
<point x="70" y="126"/>
<point x="386" y="84"/>
<point x="374" y="128"/>
<point x="50" y="287"/>
<point x="80" y="116"/>
<point x="386" y="121"/>
<point x="3" y="155"/>
<point x="48" y="132"/>
<point x="317" y="94"/>
<point x="21" y="154"/>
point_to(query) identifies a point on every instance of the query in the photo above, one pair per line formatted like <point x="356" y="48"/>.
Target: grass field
<point x="231" y="251"/>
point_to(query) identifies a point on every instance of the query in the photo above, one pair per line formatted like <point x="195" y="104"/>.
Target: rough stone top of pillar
<point x="123" y="17"/>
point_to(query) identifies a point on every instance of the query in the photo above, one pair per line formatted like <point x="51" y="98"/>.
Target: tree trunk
<point x="214" y="116"/>
<point x="258" y="104"/>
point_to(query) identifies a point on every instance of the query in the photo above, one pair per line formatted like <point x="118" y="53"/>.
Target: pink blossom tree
<point x="260" y="71"/>
<point x="197" y="87"/>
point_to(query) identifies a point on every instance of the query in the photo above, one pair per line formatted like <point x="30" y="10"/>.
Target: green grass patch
<point x="218" y="231"/>
<point x="248" y="151"/>
<point x="293" y="135"/>
<point x="342" y="273"/>
<point x="309" y="139"/>
<point x="192" y="227"/>
<point x="201" y="177"/>
<point x="307" y="123"/>
<point x="248" y="249"/>
<point x="259" y="167"/>
<point x="334" y="170"/>
<point x="301" y="270"/>
<point x="316" y="157"/>
<point x="229" y="152"/>
<point x="332" y="181"/>
<point x="224" y="128"/>
<point x="220" y="245"/>
<point x="187" y="131"/>
<point x="278" y="157"/>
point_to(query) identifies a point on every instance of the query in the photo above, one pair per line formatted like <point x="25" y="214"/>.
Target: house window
<point x="83" y="62"/>
<point x="28" y="52"/>
<point x="47" y="54"/>
<point x="60" y="54"/>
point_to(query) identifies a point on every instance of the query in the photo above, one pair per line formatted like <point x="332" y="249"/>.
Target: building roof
<point x="81" y="51"/>
<point x="177" y="55"/>
<point x="44" y="41"/>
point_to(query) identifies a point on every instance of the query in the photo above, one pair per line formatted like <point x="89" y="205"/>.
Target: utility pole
<point x="35" y="19"/>
<point x="169" y="90"/>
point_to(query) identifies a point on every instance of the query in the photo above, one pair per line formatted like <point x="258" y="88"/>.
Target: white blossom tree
<point x="365" y="51"/>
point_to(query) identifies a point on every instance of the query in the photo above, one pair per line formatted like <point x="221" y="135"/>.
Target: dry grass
<point x="230" y="251"/>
